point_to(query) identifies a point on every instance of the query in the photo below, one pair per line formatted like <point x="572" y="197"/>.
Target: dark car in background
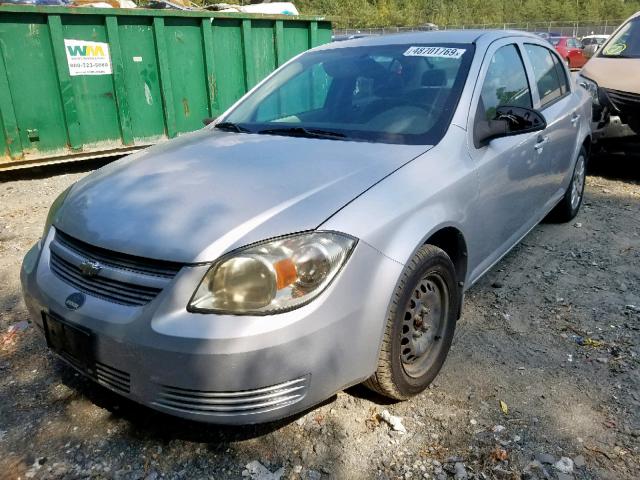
<point x="570" y="49"/>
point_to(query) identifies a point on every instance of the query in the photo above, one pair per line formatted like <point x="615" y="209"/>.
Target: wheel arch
<point x="452" y="241"/>
<point x="450" y="238"/>
<point x="586" y="143"/>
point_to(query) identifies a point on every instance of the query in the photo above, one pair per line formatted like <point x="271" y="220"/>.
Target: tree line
<point x="382" y="13"/>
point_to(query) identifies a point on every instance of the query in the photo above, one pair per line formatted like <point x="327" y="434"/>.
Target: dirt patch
<point x="552" y="332"/>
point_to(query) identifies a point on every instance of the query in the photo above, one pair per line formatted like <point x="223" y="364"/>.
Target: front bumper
<point x="226" y="369"/>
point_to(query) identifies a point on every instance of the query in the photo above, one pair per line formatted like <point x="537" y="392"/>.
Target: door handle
<point x="574" y="118"/>
<point x="541" y="143"/>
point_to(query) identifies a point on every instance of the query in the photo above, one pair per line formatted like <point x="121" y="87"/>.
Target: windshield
<point x="625" y="43"/>
<point x="391" y="93"/>
<point x="554" y="41"/>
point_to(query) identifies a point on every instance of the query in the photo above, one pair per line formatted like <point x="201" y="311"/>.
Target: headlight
<point x="53" y="211"/>
<point x="591" y="87"/>
<point x="273" y="277"/>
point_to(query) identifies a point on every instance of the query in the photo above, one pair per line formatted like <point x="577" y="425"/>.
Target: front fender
<point x="400" y="213"/>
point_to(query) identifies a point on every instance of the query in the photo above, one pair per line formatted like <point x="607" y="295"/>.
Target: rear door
<point x="553" y="97"/>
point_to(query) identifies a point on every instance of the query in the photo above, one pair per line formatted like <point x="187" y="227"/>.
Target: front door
<point x="511" y="172"/>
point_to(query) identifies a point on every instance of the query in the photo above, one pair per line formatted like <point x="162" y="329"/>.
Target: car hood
<point x="193" y="198"/>
<point x="614" y="73"/>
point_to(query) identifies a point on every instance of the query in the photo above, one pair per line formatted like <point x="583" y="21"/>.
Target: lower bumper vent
<point x="244" y="402"/>
<point x="112" y="378"/>
<point x="107" y="376"/>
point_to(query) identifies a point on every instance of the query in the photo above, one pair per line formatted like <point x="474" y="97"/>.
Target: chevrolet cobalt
<point x="320" y="233"/>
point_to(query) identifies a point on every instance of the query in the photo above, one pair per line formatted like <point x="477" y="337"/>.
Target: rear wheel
<point x="420" y="326"/>
<point x="570" y="204"/>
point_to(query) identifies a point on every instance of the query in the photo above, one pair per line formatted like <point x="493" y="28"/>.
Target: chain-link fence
<point x="576" y="29"/>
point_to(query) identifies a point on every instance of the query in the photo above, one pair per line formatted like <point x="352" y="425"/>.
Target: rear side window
<point x="562" y="75"/>
<point x="546" y="70"/>
<point x="505" y="83"/>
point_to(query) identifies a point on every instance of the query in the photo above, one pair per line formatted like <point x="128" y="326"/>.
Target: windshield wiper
<point x="303" y="132"/>
<point x="234" y="127"/>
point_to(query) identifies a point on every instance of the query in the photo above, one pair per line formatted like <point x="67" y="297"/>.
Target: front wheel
<point x="570" y="204"/>
<point x="420" y="326"/>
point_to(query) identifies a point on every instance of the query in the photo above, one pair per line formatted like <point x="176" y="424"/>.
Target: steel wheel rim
<point x="577" y="185"/>
<point x="423" y="324"/>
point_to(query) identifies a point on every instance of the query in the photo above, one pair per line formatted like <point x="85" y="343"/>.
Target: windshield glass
<point x="626" y="43"/>
<point x="390" y="93"/>
<point x="554" y="41"/>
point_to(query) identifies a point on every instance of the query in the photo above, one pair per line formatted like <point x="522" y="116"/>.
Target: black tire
<point x="428" y="284"/>
<point x="569" y="206"/>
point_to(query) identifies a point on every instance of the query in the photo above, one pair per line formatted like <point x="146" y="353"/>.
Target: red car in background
<point x="571" y="49"/>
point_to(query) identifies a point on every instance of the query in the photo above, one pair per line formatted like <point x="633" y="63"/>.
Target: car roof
<point x="439" y="36"/>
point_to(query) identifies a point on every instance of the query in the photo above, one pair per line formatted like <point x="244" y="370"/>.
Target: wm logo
<point x="85" y="51"/>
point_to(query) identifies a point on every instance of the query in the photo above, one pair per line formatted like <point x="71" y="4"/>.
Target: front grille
<point x="118" y="292"/>
<point x="624" y="102"/>
<point x="233" y="403"/>
<point x="122" y="279"/>
<point x="118" y="260"/>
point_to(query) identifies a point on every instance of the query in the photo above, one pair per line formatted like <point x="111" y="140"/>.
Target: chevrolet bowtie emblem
<point x="90" y="268"/>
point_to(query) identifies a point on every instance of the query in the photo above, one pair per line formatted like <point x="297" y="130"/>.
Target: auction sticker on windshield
<point x="615" y="49"/>
<point x="442" y="52"/>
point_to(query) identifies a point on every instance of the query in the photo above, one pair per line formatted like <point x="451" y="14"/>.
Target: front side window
<point x="546" y="70"/>
<point x="386" y="93"/>
<point x="626" y="43"/>
<point x="505" y="83"/>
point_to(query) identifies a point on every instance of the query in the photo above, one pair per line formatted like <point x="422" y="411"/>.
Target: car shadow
<point x="617" y="160"/>
<point x="363" y="393"/>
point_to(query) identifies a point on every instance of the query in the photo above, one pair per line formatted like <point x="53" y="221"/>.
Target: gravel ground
<point x="542" y="381"/>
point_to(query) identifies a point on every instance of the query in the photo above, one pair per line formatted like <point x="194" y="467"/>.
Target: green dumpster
<point x="80" y="83"/>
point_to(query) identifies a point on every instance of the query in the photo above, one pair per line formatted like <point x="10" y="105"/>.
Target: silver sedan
<point x="319" y="234"/>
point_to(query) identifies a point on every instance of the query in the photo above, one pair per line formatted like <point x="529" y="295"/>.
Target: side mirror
<point x="508" y="121"/>
<point x="208" y="120"/>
